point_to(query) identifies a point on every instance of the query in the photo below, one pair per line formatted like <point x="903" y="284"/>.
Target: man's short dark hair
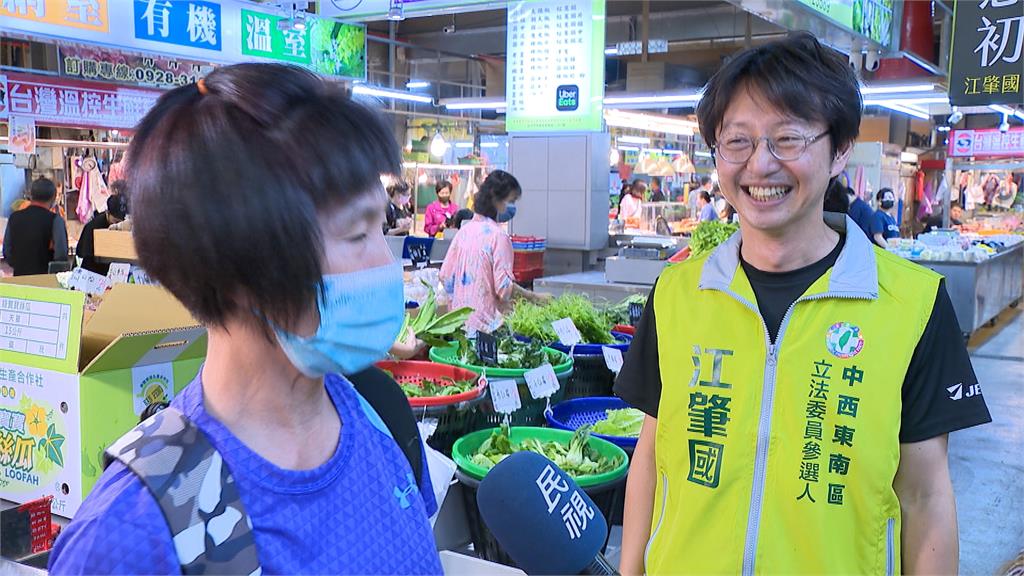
<point x="656" y="180"/>
<point x="118" y="187"/>
<point x="397" y="187"/>
<point x="117" y="206"/>
<point x="882" y="193"/>
<point x="798" y="76"/>
<point x="639" y="184"/>
<point x="245" y="167"/>
<point x="499" y="186"/>
<point x="705" y="180"/>
<point x="43" y="190"/>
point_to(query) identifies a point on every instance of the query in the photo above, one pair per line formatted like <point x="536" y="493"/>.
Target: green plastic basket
<point x="462" y="451"/>
<point x="448" y="355"/>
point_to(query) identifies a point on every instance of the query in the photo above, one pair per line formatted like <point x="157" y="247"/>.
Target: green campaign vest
<point x="780" y="458"/>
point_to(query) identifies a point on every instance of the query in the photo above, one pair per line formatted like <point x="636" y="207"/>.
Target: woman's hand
<point x="408" y="348"/>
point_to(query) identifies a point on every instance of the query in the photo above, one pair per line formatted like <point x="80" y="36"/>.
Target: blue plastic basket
<point x="622" y="343"/>
<point x="572" y="414"/>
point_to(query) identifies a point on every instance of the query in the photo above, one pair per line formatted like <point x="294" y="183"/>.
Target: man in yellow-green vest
<point x="799" y="382"/>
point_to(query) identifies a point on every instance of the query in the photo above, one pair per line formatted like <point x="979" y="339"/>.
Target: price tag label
<point x="419" y="255"/>
<point x="567" y="333"/>
<point x="612" y="358"/>
<point x="89" y="282"/>
<point x="487" y="348"/>
<point x="542" y="381"/>
<point x="505" y="396"/>
<point x="636" y="310"/>
<point x="118" y="273"/>
<point x="139" y="276"/>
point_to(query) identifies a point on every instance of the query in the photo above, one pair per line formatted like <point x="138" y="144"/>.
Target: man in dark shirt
<point x="35" y="235"/>
<point x="860" y="211"/>
<point x="117" y="209"/>
<point x="657" y="194"/>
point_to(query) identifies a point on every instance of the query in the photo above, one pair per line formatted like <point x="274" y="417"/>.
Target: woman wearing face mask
<point x="441" y="211"/>
<point x="883" y="225"/>
<point x="293" y="463"/>
<point x="477" y="270"/>
<point x="397" y="221"/>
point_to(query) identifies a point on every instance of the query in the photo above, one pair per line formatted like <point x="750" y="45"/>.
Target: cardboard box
<point x="115" y="244"/>
<point x="71" y="383"/>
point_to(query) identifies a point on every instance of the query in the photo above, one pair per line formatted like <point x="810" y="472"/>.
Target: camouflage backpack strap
<point x="196" y="492"/>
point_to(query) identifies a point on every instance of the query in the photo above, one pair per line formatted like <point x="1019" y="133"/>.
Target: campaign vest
<point x="780" y="457"/>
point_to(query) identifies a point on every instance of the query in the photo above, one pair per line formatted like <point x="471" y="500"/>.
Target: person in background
<point x="657" y="194"/>
<point x="731" y="216"/>
<point x="461" y="216"/>
<point x="836" y="199"/>
<point x="117" y="210"/>
<point x="301" y="460"/>
<point x="798" y="382"/>
<point x="707" y="209"/>
<point x="883" y="224"/>
<point x="632" y="204"/>
<point x="477" y="271"/>
<point x="956" y="216"/>
<point x="440" y="212"/>
<point x="397" y="221"/>
<point x="859" y="211"/>
<point x="694" y="199"/>
<point x="623" y="192"/>
<point x="36" y="235"/>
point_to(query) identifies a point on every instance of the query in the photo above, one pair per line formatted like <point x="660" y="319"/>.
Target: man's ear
<point x="839" y="162"/>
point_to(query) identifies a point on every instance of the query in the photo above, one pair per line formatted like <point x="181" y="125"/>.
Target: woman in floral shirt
<point x="477" y="270"/>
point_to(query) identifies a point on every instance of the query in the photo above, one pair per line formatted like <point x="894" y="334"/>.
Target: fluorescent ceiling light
<point x="702" y="154"/>
<point x="651" y="122"/>
<point x="413" y="84"/>
<point x="1008" y="111"/>
<point x="908" y="157"/>
<point x="463" y="144"/>
<point x="611" y="51"/>
<point x="474" y="103"/>
<point x="898" y="107"/>
<point x="629" y="148"/>
<point x="919" y="100"/>
<point x="896" y="88"/>
<point x="379" y="92"/>
<point x="646" y="99"/>
<point x="488" y="144"/>
<point x="942" y="128"/>
<point x="634" y="139"/>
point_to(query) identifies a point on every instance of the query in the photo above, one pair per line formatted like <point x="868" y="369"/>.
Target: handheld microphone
<point x="544" y="521"/>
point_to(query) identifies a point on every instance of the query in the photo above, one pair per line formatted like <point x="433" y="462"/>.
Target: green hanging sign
<point x="324" y="46"/>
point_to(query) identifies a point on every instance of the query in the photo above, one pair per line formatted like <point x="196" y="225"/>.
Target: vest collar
<point x="855" y="274"/>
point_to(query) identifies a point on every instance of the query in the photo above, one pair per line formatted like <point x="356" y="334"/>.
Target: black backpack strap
<point x="196" y="492"/>
<point x="387" y="399"/>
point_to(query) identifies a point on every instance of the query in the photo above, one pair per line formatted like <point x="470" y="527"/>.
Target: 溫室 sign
<point x="987" y="54"/>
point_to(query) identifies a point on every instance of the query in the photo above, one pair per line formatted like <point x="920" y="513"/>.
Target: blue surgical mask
<point x="508" y="214"/>
<point x="360" y="316"/>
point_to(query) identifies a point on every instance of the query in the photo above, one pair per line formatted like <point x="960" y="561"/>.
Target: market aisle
<point x="986" y="462"/>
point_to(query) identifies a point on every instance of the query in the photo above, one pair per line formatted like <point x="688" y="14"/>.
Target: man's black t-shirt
<point x="937" y="378"/>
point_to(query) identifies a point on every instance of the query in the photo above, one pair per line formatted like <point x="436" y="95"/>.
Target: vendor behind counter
<point x="117" y="210"/>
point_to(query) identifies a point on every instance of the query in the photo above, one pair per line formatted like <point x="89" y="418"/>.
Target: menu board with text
<point x="555" y="69"/>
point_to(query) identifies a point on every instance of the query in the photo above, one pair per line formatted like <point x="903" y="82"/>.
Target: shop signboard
<point x="67" y="391"/>
<point x="21" y="135"/>
<point x="208" y="31"/>
<point x="872" y="19"/>
<point x="194" y="23"/>
<point x="82" y="14"/>
<point x="3" y="96"/>
<point x="51" y="101"/>
<point x="106" y="65"/>
<point x="555" y="69"/>
<point x="987" y="142"/>
<point x="987" y="53"/>
<point x="364" y="10"/>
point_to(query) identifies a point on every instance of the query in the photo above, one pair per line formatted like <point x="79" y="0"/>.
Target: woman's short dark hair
<point x="499" y="186"/>
<point x="43" y="190"/>
<point x="881" y="193"/>
<point x="705" y="196"/>
<point x="442" y="185"/>
<point x="397" y="187"/>
<point x="227" y="180"/>
<point x="705" y="180"/>
<point x="798" y="76"/>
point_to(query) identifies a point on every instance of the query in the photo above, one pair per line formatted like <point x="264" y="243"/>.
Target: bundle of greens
<point x="432" y="329"/>
<point x="534" y="320"/>
<point x="708" y="235"/>
<point x="440" y="387"/>
<point x="619" y="313"/>
<point x="624" y="422"/>
<point x="512" y="353"/>
<point x="577" y="459"/>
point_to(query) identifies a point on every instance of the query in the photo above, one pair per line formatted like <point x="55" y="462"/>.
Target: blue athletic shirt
<point x="358" y="513"/>
<point x="885" y="225"/>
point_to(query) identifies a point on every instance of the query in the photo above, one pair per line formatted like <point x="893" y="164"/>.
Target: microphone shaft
<point x="600" y="567"/>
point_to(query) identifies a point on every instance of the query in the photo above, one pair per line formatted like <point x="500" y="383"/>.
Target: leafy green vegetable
<point x="619" y="313"/>
<point x="708" y="235"/>
<point x="577" y="459"/>
<point x="440" y="387"/>
<point x="432" y="329"/>
<point x="534" y="320"/>
<point x="511" y="352"/>
<point x="625" y="422"/>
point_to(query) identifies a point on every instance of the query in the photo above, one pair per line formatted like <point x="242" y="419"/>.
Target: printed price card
<point x="487" y="348"/>
<point x="118" y="273"/>
<point x="636" y="310"/>
<point x="542" y="381"/>
<point x="567" y="332"/>
<point x="89" y="282"/>
<point x="612" y="358"/>
<point x="505" y="396"/>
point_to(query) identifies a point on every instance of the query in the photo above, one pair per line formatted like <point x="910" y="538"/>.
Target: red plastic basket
<point x="624" y="329"/>
<point x="40" y="521"/>
<point x="414" y="371"/>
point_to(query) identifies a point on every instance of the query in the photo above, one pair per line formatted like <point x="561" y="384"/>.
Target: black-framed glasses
<point x="738" y="149"/>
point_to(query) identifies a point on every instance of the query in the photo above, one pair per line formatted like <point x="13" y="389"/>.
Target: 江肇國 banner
<point x="987" y="53"/>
